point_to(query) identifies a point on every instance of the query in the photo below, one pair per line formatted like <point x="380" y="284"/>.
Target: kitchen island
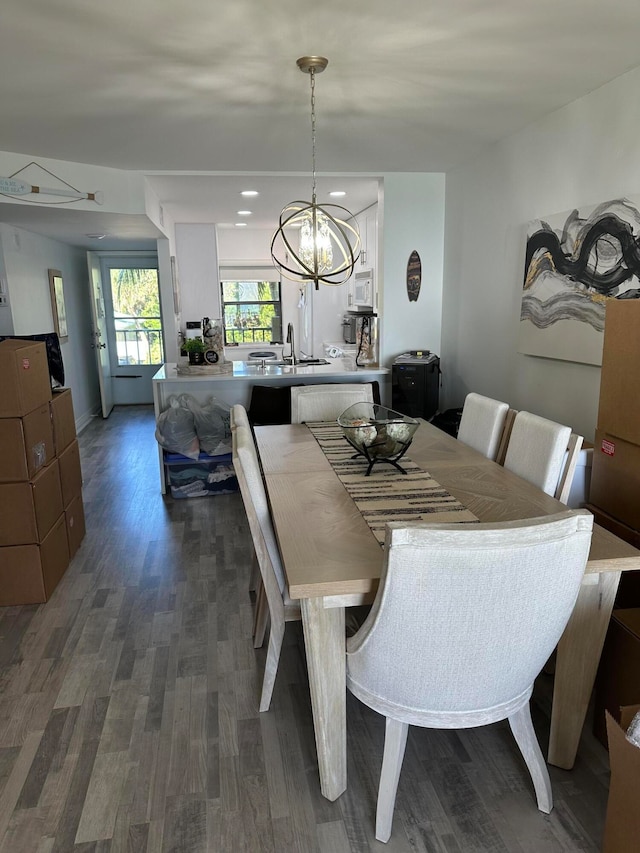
<point x="234" y="384"/>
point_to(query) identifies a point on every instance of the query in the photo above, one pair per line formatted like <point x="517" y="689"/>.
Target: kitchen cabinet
<point x="363" y="290"/>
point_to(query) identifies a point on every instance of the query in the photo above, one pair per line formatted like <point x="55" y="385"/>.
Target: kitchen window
<point x="251" y="311"/>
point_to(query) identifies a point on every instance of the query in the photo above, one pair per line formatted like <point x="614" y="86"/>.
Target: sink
<point x="286" y="362"/>
<point x="305" y="361"/>
<point x="278" y="367"/>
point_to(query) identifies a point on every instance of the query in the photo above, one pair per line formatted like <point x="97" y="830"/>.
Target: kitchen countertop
<point x="342" y="368"/>
<point x="236" y="383"/>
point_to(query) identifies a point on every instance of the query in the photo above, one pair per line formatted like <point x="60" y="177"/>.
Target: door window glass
<point x="136" y="315"/>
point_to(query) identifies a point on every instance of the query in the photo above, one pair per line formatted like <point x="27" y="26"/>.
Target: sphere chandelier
<point x="315" y="242"/>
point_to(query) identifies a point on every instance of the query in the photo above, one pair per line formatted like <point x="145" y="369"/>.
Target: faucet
<point x="291" y="340"/>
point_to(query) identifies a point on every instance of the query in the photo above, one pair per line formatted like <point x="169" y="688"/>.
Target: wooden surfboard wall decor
<point x="414" y="276"/>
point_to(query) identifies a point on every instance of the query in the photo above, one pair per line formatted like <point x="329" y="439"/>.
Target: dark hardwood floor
<point x="129" y="707"/>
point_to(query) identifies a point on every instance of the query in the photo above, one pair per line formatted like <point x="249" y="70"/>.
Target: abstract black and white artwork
<point x="574" y="263"/>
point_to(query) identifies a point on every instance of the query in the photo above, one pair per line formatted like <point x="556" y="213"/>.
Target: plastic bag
<point x="176" y="430"/>
<point x="212" y="424"/>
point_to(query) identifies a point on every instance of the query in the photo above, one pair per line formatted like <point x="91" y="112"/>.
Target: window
<point x="251" y="311"/>
<point x="136" y="315"/>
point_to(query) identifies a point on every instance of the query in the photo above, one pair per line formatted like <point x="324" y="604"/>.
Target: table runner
<point x="386" y="494"/>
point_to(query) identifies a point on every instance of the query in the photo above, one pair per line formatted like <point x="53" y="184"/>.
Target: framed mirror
<point x="56" y="289"/>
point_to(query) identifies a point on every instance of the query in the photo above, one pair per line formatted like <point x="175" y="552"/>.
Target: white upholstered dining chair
<point x="544" y="453"/>
<point x="239" y="417"/>
<point x="326" y="402"/>
<point x="281" y="608"/>
<point x="482" y="423"/>
<point x="464" y="619"/>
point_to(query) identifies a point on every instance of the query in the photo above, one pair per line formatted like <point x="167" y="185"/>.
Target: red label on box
<point x="26" y="364"/>
<point x="608" y="447"/>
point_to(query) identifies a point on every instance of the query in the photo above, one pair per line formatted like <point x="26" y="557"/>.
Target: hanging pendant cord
<point x="312" y="73"/>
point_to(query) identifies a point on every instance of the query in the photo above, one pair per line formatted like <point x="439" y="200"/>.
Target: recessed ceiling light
<point x="95" y="236"/>
<point x="241" y="224"/>
<point x="244" y="212"/>
<point x="337" y="193"/>
<point x="249" y="192"/>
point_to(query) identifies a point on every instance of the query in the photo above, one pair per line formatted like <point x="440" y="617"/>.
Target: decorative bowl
<point x="377" y="433"/>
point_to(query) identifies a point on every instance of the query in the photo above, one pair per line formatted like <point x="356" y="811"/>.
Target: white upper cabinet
<point x="362" y="286"/>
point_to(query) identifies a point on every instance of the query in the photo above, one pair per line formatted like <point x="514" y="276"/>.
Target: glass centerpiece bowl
<point x="377" y="433"/>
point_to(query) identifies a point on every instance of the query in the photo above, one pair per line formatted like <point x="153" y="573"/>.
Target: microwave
<point x="361" y="291"/>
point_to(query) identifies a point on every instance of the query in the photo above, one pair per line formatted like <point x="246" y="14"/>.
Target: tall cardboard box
<point x="615" y="473"/>
<point x="70" y="473"/>
<point x="615" y="477"/>
<point x="63" y="419"/>
<point x="30" y="573"/>
<point x="619" y="406"/>
<point x="24" y="377"/>
<point x="29" y="510"/>
<point x="622" y="826"/>
<point x="26" y="445"/>
<point x="618" y="678"/>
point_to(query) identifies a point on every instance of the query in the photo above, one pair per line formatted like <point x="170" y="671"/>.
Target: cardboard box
<point x="26" y="445"/>
<point x="615" y="478"/>
<point x="622" y="826"/>
<point x="63" y="419"/>
<point x="619" y="408"/>
<point x="74" y="517"/>
<point x="30" y="573"/>
<point x="28" y="511"/>
<point x="24" y="375"/>
<point x="618" y="678"/>
<point x="70" y="473"/>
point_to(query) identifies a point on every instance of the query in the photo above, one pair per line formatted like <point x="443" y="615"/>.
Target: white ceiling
<point x="195" y="86"/>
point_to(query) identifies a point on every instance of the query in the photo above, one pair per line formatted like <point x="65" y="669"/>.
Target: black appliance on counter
<point x="415" y="384"/>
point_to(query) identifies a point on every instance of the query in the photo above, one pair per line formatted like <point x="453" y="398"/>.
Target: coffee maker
<point x="366" y="341"/>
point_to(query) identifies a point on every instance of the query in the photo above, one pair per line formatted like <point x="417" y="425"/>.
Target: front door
<point x="134" y="325"/>
<point x="99" y="336"/>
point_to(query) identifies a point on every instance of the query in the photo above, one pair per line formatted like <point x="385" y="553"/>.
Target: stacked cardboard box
<point x="41" y="515"/>
<point x="615" y="475"/>
<point x="614" y="500"/>
<point x="622" y="827"/>
<point x="614" y="495"/>
<point x="618" y="679"/>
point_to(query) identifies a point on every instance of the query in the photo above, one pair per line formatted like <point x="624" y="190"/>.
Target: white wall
<point x="412" y="218"/>
<point x="583" y="154"/>
<point x="27" y="257"/>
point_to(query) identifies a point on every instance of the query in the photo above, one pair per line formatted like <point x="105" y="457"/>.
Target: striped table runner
<point x="386" y="494"/>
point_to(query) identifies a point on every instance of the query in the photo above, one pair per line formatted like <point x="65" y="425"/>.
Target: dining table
<point x="333" y="560"/>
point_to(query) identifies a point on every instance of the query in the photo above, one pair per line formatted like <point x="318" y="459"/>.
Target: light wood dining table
<point x="333" y="561"/>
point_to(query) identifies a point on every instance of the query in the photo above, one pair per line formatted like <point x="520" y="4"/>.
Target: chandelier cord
<point x="312" y="73"/>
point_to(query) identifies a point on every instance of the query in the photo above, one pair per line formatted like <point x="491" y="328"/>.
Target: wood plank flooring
<point x="129" y="707"/>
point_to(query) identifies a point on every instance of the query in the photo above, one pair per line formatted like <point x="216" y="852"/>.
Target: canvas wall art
<point x="574" y="262"/>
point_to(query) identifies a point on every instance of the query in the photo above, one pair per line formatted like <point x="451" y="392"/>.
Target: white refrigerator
<point x="320" y="314"/>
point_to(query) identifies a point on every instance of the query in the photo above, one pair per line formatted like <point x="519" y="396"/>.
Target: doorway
<point x="134" y="325"/>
